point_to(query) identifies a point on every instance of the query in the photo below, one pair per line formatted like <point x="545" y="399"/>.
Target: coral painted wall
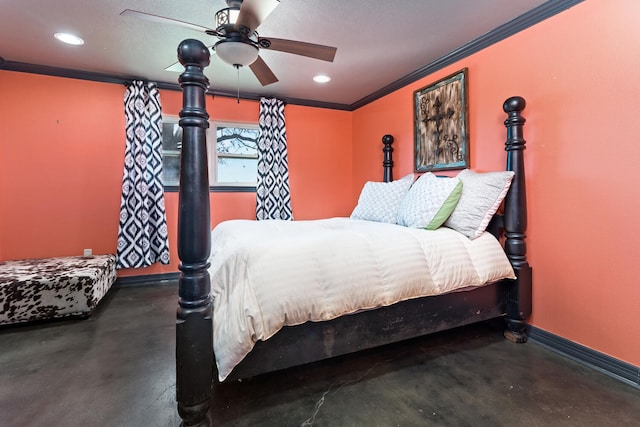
<point x="578" y="73"/>
<point x="61" y="158"/>
<point x="62" y="142"/>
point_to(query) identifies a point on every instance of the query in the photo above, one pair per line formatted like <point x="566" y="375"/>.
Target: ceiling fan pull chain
<point x="238" y="81"/>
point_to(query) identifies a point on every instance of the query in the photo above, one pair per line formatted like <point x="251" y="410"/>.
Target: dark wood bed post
<point x="515" y="223"/>
<point x="387" y="163"/>
<point x="194" y="339"/>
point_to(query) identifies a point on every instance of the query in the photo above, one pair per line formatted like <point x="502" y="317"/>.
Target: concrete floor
<point x="117" y="369"/>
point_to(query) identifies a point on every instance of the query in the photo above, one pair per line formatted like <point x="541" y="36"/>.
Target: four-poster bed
<point x="196" y="372"/>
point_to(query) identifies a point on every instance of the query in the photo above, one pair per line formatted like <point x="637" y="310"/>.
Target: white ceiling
<point x="378" y="42"/>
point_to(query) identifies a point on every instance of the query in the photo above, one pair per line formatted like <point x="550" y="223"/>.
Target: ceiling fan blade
<point x="253" y="12"/>
<point x="263" y="72"/>
<point x="162" y="20"/>
<point x="317" y="51"/>
<point x="177" y="67"/>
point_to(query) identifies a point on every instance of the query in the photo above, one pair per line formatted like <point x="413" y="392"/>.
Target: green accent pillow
<point x="429" y="202"/>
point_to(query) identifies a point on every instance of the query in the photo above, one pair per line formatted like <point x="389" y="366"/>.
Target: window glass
<point x="238" y="139"/>
<point x="237" y="171"/>
<point x="171" y="143"/>
<point x="232" y="150"/>
<point x="236" y="153"/>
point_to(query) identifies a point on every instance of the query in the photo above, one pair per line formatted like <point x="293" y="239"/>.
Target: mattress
<point x="269" y="274"/>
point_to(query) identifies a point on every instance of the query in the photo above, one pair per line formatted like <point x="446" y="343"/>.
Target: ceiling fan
<point x="238" y="41"/>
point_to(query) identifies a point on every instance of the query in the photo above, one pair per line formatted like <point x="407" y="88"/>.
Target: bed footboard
<point x="194" y="337"/>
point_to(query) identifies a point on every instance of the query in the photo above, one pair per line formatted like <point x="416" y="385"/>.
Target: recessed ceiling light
<point x="321" y="78"/>
<point x="69" y="38"/>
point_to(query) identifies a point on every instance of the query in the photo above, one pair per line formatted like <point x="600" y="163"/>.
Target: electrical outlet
<point x="87" y="253"/>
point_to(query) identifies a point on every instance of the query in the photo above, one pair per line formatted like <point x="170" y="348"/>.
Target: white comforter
<point x="268" y="274"/>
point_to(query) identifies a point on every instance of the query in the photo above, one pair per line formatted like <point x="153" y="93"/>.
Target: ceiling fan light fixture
<point x="236" y="52"/>
<point x="227" y="16"/>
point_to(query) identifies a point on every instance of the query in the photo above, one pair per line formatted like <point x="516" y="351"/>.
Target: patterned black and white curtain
<point x="142" y="236"/>
<point x="272" y="191"/>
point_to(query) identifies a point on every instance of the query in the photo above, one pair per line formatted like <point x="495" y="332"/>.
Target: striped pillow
<point x="482" y="194"/>
<point x="429" y="202"/>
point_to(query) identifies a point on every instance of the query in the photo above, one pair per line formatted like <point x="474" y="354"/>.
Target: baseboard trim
<point x="601" y="362"/>
<point x="147" y="279"/>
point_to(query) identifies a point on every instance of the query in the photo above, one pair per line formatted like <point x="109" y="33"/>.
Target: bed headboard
<point x="387" y="163"/>
<point x="515" y="204"/>
<point x="515" y="222"/>
<point x="512" y="223"/>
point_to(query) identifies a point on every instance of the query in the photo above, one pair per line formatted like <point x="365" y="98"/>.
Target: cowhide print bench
<point x="36" y="289"/>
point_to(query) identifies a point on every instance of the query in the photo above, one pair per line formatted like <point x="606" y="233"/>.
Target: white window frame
<point x="173" y="120"/>
<point x="212" y="155"/>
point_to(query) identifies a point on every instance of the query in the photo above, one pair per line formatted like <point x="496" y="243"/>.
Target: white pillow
<point x="429" y="202"/>
<point x="482" y="194"/>
<point x="380" y="201"/>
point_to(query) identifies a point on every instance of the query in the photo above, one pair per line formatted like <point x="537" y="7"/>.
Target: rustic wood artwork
<point x="441" y="139"/>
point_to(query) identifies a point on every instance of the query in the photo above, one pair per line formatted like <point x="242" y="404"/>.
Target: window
<point x="236" y="154"/>
<point x="232" y="150"/>
<point x="171" y="144"/>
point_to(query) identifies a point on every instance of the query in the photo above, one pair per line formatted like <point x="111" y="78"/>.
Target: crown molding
<point x="24" y="67"/>
<point x="534" y="16"/>
<point x="522" y="22"/>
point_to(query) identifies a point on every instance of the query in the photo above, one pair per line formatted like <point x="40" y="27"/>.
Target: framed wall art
<point x="440" y="121"/>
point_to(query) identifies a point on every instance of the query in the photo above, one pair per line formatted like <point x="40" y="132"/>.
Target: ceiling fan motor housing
<point x="226" y="19"/>
<point x="238" y="46"/>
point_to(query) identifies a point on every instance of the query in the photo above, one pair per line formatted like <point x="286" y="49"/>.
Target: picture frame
<point x="441" y="140"/>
